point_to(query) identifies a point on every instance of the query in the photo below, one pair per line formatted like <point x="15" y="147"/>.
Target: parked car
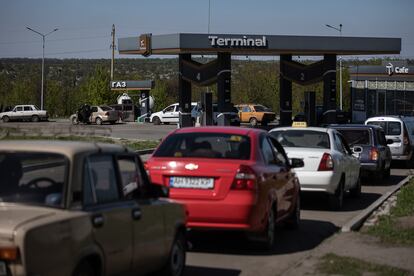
<point x="197" y="113"/>
<point x="170" y="114"/>
<point x="329" y="167"/>
<point x="229" y="178"/>
<point x="99" y="114"/>
<point x="76" y="208"/>
<point x="24" y="113"/>
<point x="369" y="145"/>
<point x="255" y="113"/>
<point x="400" y="130"/>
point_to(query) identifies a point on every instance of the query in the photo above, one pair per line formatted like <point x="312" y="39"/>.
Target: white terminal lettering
<point x="237" y="42"/>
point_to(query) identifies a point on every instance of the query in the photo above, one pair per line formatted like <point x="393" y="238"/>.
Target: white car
<point x="170" y="114"/>
<point x="399" y="129"/>
<point x="329" y="167"/>
<point x="24" y="113"/>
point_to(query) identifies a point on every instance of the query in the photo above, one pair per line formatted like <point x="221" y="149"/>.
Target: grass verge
<point x="389" y="227"/>
<point x="332" y="264"/>
<point x="136" y="145"/>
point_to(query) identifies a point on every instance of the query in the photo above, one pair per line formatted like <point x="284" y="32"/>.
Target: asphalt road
<point x="130" y="130"/>
<point x="229" y="253"/>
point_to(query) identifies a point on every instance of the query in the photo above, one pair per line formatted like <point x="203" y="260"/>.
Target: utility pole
<point x="43" y="60"/>
<point x="113" y="51"/>
<point x="340" y="64"/>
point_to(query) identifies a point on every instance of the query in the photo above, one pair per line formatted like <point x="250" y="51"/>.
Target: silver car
<point x="75" y="208"/>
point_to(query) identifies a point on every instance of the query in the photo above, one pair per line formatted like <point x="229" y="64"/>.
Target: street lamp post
<point x="43" y="60"/>
<point x="340" y="64"/>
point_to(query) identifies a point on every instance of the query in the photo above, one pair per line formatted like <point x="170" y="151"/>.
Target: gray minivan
<point x="400" y="129"/>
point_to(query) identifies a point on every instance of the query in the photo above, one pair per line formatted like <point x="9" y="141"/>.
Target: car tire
<point x="269" y="233"/>
<point x="356" y="191"/>
<point x="294" y="220"/>
<point x="253" y="122"/>
<point x="6" y="119"/>
<point x="387" y="173"/>
<point x="84" y="269"/>
<point x="176" y="261"/>
<point x="35" y="118"/>
<point x="337" y="199"/>
<point x="156" y="121"/>
<point x="98" y="121"/>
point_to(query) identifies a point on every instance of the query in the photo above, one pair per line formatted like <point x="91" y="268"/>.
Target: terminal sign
<point x="244" y="42"/>
<point x="398" y="70"/>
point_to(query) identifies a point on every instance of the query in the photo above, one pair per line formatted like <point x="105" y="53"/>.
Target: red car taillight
<point x="373" y="154"/>
<point x="406" y="141"/>
<point x="245" y="179"/>
<point x="326" y="163"/>
<point x="146" y="167"/>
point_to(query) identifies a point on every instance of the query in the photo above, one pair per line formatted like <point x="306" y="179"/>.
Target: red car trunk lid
<point x="194" y="178"/>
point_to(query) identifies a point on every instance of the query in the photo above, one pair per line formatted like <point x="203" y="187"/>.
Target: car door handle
<point x="97" y="221"/>
<point x="136" y="214"/>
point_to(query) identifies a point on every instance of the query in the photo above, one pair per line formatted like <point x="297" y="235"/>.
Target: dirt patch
<point x="405" y="222"/>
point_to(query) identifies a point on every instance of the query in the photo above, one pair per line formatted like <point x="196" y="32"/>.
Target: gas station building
<point x="223" y="46"/>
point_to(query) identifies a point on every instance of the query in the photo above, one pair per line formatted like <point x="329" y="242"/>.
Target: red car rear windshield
<point x="205" y="145"/>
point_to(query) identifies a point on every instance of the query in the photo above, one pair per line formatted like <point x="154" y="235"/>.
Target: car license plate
<point x="191" y="182"/>
<point x="3" y="270"/>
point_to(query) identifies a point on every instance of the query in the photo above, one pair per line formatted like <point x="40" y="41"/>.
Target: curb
<point x="356" y="222"/>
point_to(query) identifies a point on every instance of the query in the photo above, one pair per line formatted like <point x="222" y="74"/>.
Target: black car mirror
<point x="357" y="149"/>
<point x="297" y="163"/>
<point x="390" y="141"/>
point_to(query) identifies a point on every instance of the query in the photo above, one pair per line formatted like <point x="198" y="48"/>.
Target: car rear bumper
<point x="370" y="167"/>
<point x="232" y="213"/>
<point x="401" y="157"/>
<point x="318" y="181"/>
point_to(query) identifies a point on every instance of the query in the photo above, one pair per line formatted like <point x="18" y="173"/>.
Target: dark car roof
<point x="68" y="148"/>
<point x="354" y="126"/>
<point x="220" y="129"/>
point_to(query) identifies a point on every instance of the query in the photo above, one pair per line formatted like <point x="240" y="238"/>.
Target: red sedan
<point x="229" y="178"/>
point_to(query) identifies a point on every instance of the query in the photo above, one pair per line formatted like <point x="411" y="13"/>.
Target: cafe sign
<point x="391" y="69"/>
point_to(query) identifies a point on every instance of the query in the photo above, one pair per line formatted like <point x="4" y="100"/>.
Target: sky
<point x="84" y="27"/>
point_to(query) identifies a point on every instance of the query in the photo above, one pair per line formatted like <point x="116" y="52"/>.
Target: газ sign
<point x="216" y="41"/>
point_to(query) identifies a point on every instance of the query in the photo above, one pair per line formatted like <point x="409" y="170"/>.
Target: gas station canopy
<point x="243" y="44"/>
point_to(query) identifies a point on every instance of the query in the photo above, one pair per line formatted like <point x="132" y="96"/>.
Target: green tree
<point x="160" y="95"/>
<point x="96" y="88"/>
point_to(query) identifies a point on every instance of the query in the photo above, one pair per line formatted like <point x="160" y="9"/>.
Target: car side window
<point x="281" y="157"/>
<point x="381" y="138"/>
<point x="345" y="146"/>
<point x="27" y="108"/>
<point x="246" y="109"/>
<point x="99" y="180"/>
<point x="94" y="109"/>
<point x="338" y="144"/>
<point x="19" y="108"/>
<point x="133" y="184"/>
<point x="170" y="108"/>
<point x="267" y="151"/>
